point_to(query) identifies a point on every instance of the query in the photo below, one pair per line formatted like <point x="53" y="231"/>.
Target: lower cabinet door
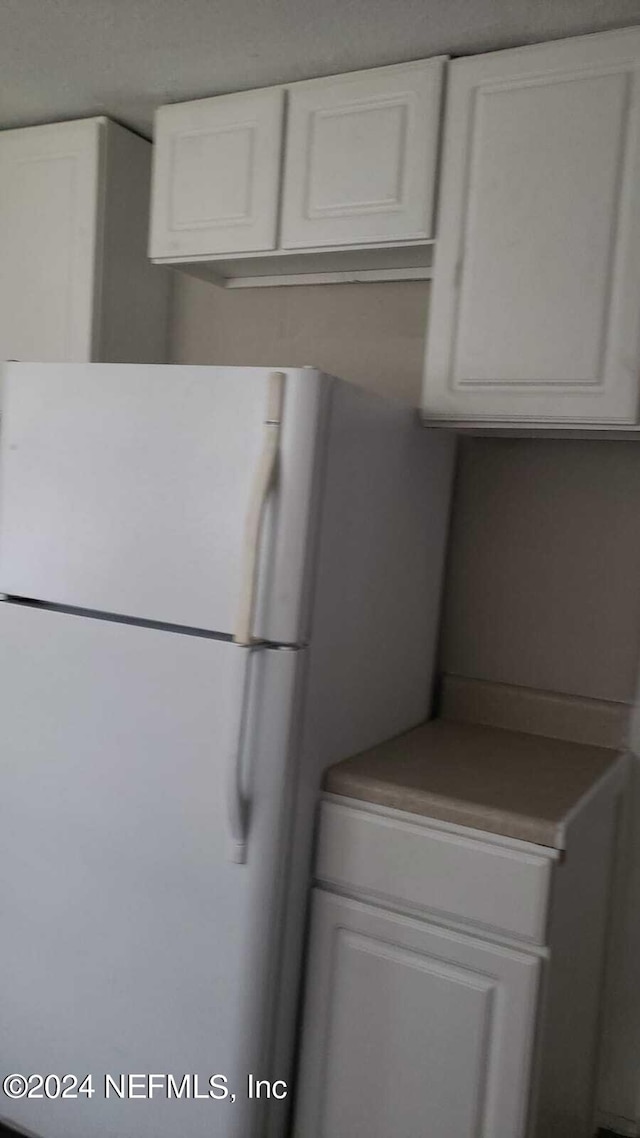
<point x="411" y="1030"/>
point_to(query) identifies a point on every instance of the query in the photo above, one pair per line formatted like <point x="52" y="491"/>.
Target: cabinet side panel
<point x="134" y="293"/>
<point x="619" y="1093"/>
<point x="375" y="614"/>
<point x="571" y="1018"/>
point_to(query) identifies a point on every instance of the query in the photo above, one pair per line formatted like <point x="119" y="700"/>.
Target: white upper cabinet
<point x="535" y="312"/>
<point x="361" y="157"/>
<point x="49" y="197"/>
<point x="216" y="173"/>
<point x="75" y="283"/>
<point x="347" y="185"/>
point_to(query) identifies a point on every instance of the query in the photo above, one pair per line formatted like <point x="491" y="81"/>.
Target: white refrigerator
<point x="216" y="582"/>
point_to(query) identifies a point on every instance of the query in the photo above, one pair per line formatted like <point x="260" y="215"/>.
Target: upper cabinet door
<point x="48" y="238"/>
<point x="535" y="311"/>
<point x="216" y="171"/>
<point x="361" y="157"/>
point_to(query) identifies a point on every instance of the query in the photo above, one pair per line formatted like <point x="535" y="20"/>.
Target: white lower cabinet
<point x="412" y="1029"/>
<point x="454" y="976"/>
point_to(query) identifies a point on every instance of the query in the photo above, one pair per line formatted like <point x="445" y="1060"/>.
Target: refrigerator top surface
<point x="126" y="489"/>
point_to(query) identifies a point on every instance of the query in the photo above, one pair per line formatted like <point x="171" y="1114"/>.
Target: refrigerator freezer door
<point x="125" y="489"/>
<point x="129" y="944"/>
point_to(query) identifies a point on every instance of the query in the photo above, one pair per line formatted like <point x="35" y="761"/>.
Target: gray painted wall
<point x="543" y="585"/>
<point x="372" y="334"/>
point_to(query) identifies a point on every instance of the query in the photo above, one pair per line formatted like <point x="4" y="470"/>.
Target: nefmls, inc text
<point x="189" y="1086"/>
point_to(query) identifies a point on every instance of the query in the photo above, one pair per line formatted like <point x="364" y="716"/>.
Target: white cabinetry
<point x="361" y="157"/>
<point x="216" y="174"/>
<point x="453" y="981"/>
<point x="348" y="185"/>
<point x="535" y="312"/>
<point x="75" y="284"/>
<point x="412" y="1029"/>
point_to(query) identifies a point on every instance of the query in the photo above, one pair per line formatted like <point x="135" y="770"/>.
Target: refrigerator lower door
<point x="130" y="945"/>
<point x="126" y="489"/>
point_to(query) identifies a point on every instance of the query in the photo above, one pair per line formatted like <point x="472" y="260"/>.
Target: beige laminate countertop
<point x="504" y="782"/>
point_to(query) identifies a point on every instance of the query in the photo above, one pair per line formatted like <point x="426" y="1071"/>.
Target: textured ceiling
<point x="68" y="58"/>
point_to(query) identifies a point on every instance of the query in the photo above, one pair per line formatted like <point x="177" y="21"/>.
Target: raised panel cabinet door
<point x="216" y="173"/>
<point x="535" y="310"/>
<point x="48" y="240"/>
<point x="411" y="1030"/>
<point x="361" y="157"/>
